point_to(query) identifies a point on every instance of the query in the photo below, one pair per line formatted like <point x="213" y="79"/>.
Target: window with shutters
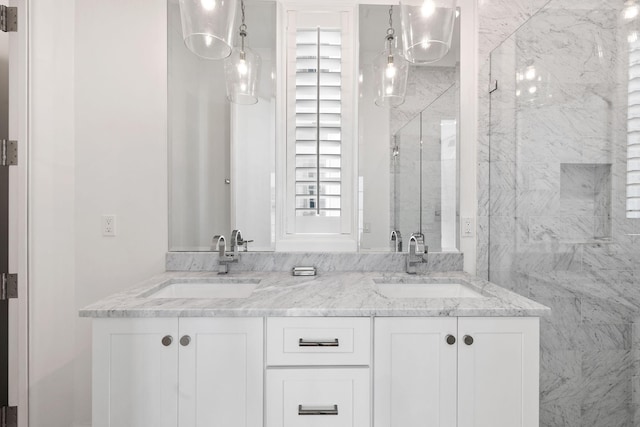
<point x="320" y="159"/>
<point x="318" y="122"/>
<point x="633" y="131"/>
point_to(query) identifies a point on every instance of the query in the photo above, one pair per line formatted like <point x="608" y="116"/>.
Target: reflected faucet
<point x="236" y="241"/>
<point x="417" y="252"/>
<point x="396" y="241"/>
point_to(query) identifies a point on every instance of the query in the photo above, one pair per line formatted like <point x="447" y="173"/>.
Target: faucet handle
<point x="245" y="245"/>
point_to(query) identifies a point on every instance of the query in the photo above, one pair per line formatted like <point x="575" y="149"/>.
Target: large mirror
<point x="217" y="149"/>
<point x="425" y="183"/>
<point x="223" y="156"/>
<point x="402" y="150"/>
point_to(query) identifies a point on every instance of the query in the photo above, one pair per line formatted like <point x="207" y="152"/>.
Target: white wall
<point x="98" y="146"/>
<point x="52" y="228"/>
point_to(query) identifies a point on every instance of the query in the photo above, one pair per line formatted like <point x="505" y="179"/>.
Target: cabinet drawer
<point x="318" y="397"/>
<point x="313" y="341"/>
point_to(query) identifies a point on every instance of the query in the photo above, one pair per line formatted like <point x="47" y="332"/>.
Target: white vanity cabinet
<point x="170" y="372"/>
<point x="448" y="372"/>
<point x="435" y="371"/>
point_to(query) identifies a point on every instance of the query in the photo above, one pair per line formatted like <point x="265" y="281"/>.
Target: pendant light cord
<point x="243" y="26"/>
<point x="390" y="31"/>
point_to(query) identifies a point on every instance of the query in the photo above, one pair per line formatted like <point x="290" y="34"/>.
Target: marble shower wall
<point x="552" y="163"/>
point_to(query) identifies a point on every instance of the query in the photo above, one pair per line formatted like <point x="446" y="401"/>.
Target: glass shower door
<point x="558" y="231"/>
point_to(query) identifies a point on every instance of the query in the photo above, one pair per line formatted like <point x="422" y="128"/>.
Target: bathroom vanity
<point x="340" y="349"/>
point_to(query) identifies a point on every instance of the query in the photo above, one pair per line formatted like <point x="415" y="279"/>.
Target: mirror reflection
<point x="222" y="155"/>
<point x="219" y="149"/>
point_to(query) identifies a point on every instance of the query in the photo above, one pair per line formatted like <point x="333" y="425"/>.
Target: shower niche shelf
<point x="585" y="202"/>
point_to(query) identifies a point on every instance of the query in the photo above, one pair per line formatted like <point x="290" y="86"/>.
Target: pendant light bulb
<point x="428" y="8"/>
<point x="242" y="64"/>
<point x="391" y="68"/>
<point x="208" y="5"/>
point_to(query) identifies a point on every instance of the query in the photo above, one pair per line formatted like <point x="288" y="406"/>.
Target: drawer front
<point x="318" y="398"/>
<point x="314" y="341"/>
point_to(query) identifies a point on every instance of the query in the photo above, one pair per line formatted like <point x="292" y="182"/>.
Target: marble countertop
<point x="327" y="294"/>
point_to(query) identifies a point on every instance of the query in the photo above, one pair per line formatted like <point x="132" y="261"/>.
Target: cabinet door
<point x="221" y="372"/>
<point x="414" y="372"/>
<point x="498" y="372"/>
<point x="318" y="397"/>
<point x="135" y="373"/>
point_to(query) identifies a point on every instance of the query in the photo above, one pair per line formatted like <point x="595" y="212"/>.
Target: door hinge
<point x="8" y="286"/>
<point x="9" y="153"/>
<point x="9" y="416"/>
<point x="8" y="19"/>
<point x="493" y="86"/>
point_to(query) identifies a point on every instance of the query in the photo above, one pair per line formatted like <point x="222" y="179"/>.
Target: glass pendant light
<point x="207" y="26"/>
<point x="390" y="71"/>
<point x="242" y="69"/>
<point x="427" y="28"/>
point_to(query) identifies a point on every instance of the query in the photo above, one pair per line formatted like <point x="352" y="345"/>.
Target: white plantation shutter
<point x="320" y="124"/>
<point x="633" y="132"/>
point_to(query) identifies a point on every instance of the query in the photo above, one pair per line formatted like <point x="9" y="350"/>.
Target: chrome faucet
<point x="396" y="241"/>
<point x="224" y="260"/>
<point x="417" y="252"/>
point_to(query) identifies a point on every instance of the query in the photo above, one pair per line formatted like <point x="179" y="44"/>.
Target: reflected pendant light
<point x="390" y="71"/>
<point x="427" y="29"/>
<point x="207" y="26"/>
<point x="241" y="70"/>
<point x="630" y="10"/>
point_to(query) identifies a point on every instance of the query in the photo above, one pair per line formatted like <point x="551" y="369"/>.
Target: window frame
<point x="315" y="233"/>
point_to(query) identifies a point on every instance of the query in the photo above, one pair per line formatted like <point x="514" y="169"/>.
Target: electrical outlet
<point x="467" y="227"/>
<point x="108" y="225"/>
<point x="366" y="228"/>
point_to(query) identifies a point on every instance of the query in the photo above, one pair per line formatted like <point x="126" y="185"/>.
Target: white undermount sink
<point x="426" y="289"/>
<point x="205" y="288"/>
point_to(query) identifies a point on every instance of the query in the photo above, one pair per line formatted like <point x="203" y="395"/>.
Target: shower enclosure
<point x="560" y="201"/>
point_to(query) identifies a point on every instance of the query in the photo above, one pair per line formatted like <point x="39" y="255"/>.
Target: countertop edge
<point x="336" y="294"/>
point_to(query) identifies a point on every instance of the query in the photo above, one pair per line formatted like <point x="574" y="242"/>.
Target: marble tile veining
<point x="285" y="261"/>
